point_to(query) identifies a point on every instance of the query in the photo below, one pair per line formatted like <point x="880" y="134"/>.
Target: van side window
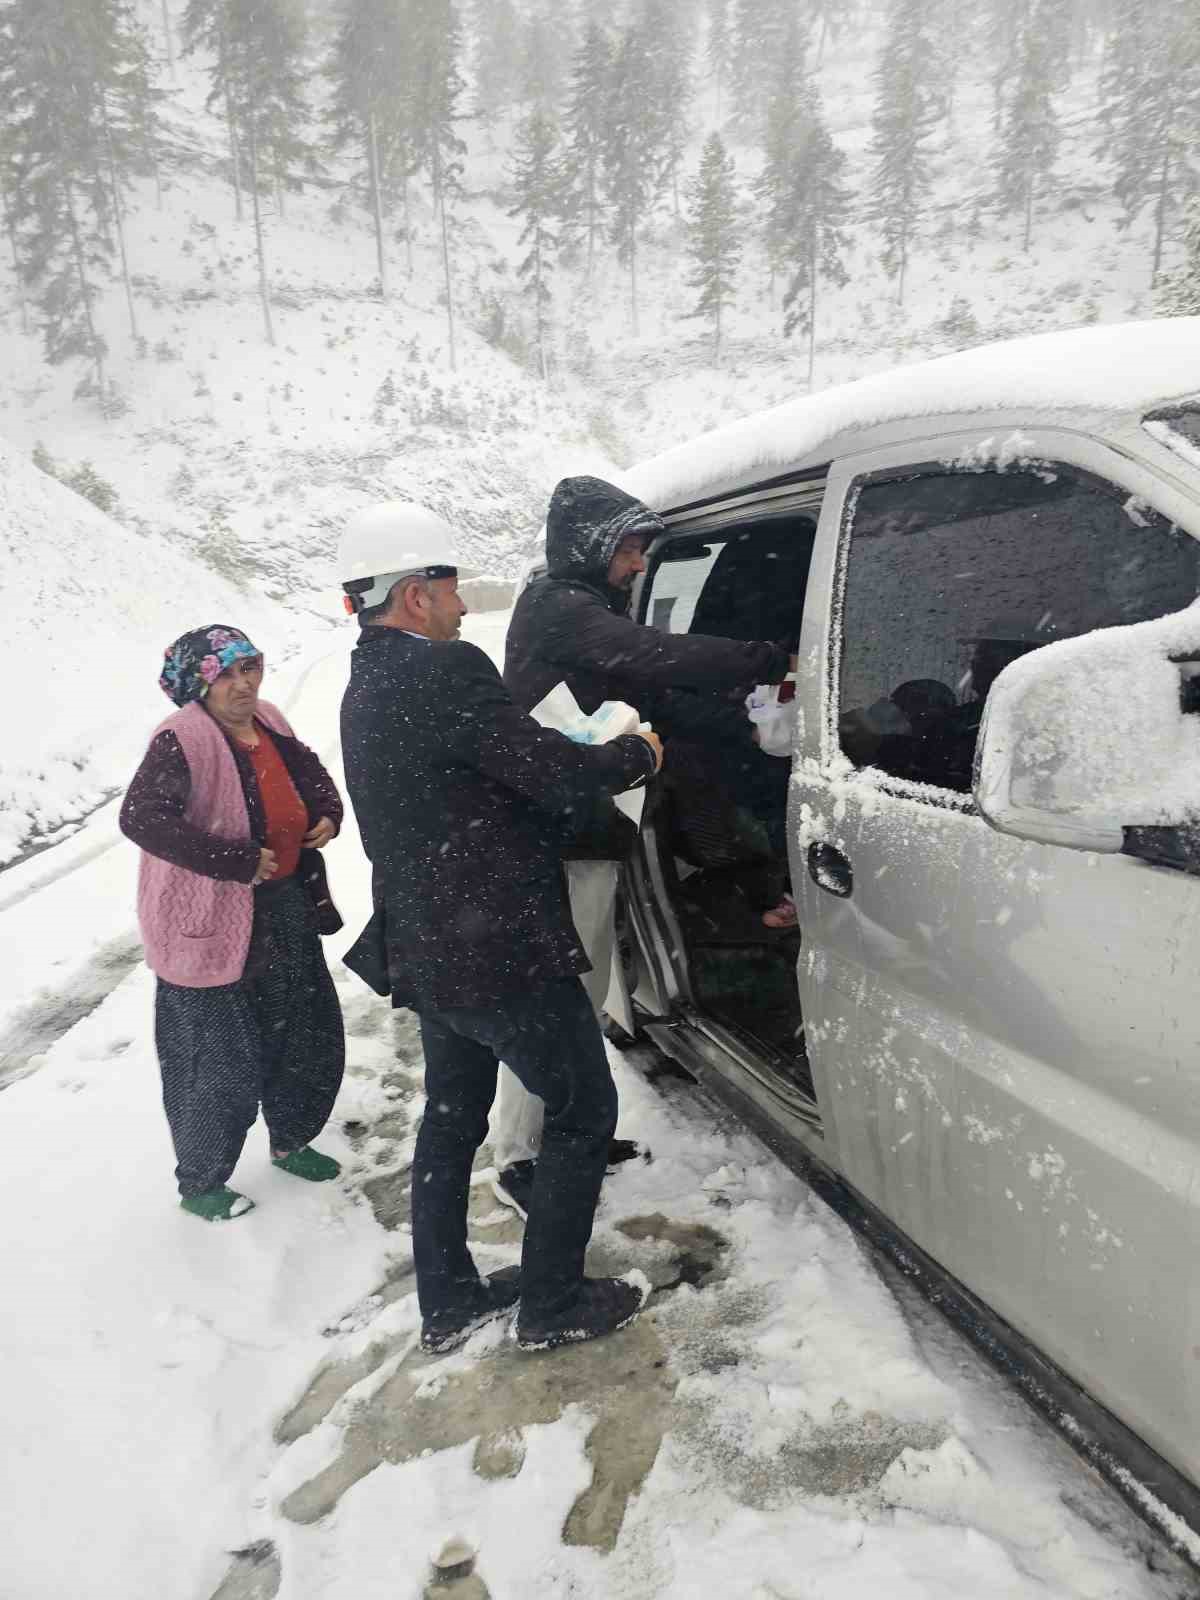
<point x="951" y="575"/>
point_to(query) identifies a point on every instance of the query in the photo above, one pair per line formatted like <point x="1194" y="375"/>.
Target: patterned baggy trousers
<point x="273" y="1038"/>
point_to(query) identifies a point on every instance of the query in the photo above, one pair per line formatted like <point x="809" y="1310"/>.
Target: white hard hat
<point x="396" y="539"/>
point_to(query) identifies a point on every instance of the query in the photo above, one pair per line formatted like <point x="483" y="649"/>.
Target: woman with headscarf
<point x="229" y="810"/>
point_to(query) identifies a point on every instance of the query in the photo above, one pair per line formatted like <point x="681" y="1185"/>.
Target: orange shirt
<point x="287" y="818"/>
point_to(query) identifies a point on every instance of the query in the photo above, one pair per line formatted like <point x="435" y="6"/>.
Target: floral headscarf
<point x="197" y="659"/>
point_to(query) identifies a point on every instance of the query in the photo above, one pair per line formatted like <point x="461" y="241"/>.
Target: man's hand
<point x="655" y="744"/>
<point x="268" y="863"/>
<point x="319" y="836"/>
<point x="793" y="663"/>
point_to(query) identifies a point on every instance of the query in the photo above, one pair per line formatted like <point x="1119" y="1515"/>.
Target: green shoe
<point x="308" y="1163"/>
<point x="217" y="1205"/>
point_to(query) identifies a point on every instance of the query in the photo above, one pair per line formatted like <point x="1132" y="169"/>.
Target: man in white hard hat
<point x="456" y="793"/>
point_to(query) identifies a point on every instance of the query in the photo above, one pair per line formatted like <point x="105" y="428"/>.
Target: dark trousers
<point x="275" y="1038"/>
<point x="549" y="1037"/>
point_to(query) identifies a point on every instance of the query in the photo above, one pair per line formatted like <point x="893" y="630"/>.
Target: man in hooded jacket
<point x="573" y="625"/>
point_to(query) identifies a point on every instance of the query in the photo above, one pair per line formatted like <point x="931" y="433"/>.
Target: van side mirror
<point x="1087" y="737"/>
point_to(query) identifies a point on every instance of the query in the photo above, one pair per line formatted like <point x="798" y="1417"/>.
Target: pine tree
<point x="828" y="18"/>
<point x="539" y="182"/>
<point x="1150" y="108"/>
<point x="74" y="81"/>
<point x="805" y="199"/>
<point x="714" y="235"/>
<point x="127" y="102"/>
<point x="718" y="48"/>
<point x="782" y="94"/>
<point x="8" y="191"/>
<point x="545" y="56"/>
<point x="632" y="156"/>
<point x="495" y="58"/>
<point x="257" y="77"/>
<point x="1028" y="124"/>
<point x="820" y="202"/>
<point x="268" y="43"/>
<point x="589" y="101"/>
<point x="907" y="108"/>
<point x="266" y="71"/>
<point x="168" y="38"/>
<point x="366" y="68"/>
<point x="206" y="27"/>
<point x="760" y="28"/>
<point x="1179" y="291"/>
<point x="10" y="229"/>
<point x="667" y="41"/>
<point x="435" y="42"/>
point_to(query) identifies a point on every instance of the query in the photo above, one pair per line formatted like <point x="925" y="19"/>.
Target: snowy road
<point x="783" y="1424"/>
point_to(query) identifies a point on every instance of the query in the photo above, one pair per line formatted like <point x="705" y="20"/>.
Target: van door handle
<point x="830" y="870"/>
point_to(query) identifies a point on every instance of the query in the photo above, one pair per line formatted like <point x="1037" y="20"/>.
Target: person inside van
<point x="920" y="731"/>
<point x="730" y="797"/>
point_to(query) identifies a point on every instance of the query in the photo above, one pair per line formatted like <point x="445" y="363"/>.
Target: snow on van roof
<point x="1120" y="368"/>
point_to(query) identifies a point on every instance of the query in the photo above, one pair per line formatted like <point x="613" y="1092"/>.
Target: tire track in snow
<point x="33" y="1029"/>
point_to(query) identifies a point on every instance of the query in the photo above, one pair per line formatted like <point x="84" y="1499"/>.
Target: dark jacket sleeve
<point x="706" y="719"/>
<point x="152" y="816"/>
<point x="486" y="730"/>
<point x="583" y="635"/>
<point x="313" y="784"/>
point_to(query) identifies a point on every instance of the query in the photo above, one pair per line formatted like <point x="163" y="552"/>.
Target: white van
<point x="985" y="1033"/>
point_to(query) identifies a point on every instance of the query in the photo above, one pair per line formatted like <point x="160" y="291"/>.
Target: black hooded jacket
<point x="572" y="625"/>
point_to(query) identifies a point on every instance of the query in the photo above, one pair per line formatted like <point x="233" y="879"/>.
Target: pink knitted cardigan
<point x="196" y="930"/>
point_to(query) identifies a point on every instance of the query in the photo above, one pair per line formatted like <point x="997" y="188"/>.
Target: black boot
<point x="487" y="1300"/>
<point x="513" y="1186"/>
<point x="620" y="1150"/>
<point x="602" y="1306"/>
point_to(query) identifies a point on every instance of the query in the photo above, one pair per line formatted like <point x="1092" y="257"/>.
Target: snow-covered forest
<point x="267" y="259"/>
<point x="594" y="192"/>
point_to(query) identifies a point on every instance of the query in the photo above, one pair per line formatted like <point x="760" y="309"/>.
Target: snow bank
<point x="1127" y="367"/>
<point x="88" y="608"/>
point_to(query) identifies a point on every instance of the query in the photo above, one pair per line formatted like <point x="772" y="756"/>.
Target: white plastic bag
<point x="776" y="723"/>
<point x="560" y="709"/>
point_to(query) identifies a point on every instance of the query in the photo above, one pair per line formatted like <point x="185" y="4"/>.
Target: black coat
<point x="457" y="792"/>
<point x="571" y="625"/>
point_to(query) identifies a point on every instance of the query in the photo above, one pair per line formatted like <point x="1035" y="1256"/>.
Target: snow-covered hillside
<point x="88" y="607"/>
<point x="250" y="456"/>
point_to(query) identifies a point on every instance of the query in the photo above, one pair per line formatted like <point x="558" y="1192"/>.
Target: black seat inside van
<point x="721" y="869"/>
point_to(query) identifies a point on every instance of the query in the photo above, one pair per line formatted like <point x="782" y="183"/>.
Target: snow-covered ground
<point x="188" y="1407"/>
